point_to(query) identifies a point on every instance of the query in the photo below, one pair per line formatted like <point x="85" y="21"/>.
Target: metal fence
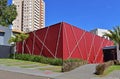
<point x="5" y="51"/>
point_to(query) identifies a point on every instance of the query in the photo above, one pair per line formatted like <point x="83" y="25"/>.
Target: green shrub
<point x="56" y="61"/>
<point x="67" y="65"/>
<point x="11" y="56"/>
<point x="36" y="58"/>
<point x="73" y="60"/>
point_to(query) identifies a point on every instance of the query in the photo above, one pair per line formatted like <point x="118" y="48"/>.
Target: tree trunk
<point x="118" y="52"/>
<point x="14" y="50"/>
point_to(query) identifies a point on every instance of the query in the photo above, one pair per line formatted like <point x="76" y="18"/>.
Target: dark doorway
<point x="109" y="53"/>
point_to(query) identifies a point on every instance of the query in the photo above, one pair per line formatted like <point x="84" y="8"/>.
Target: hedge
<point x="67" y="65"/>
<point x="36" y="58"/>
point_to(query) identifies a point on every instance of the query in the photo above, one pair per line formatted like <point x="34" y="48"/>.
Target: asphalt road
<point x="14" y="75"/>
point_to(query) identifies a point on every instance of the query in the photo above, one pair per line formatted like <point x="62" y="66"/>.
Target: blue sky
<point x="85" y="14"/>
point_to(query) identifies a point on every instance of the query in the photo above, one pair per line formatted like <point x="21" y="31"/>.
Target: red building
<point x="65" y="41"/>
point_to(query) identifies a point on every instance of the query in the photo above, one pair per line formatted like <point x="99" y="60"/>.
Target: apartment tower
<point x="17" y="23"/>
<point x="31" y="15"/>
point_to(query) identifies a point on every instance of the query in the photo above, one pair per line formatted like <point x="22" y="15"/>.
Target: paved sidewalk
<point x="86" y="72"/>
<point x="35" y="72"/>
<point x="14" y="75"/>
<point x="83" y="72"/>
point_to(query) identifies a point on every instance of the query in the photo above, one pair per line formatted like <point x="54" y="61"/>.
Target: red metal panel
<point x="28" y="44"/>
<point x="81" y="44"/>
<point x="65" y="41"/>
<point x="46" y="42"/>
<point x="19" y="47"/>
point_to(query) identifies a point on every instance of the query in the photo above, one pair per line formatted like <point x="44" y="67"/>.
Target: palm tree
<point x="17" y="38"/>
<point x="13" y="40"/>
<point x="23" y="37"/>
<point x="115" y="36"/>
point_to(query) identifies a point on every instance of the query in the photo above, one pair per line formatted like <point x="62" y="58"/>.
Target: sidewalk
<point x="35" y="72"/>
<point x="86" y="72"/>
<point x="14" y="75"/>
<point x="83" y="72"/>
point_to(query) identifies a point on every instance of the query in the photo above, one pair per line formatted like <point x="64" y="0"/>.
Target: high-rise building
<point x="31" y="15"/>
<point x="17" y="23"/>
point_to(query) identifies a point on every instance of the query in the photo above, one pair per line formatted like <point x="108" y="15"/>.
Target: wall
<point x="78" y="43"/>
<point x="5" y="51"/>
<point x="5" y="34"/>
<point x="65" y="41"/>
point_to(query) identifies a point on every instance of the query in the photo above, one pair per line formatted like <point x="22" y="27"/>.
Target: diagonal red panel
<point x="65" y="41"/>
<point x="28" y="46"/>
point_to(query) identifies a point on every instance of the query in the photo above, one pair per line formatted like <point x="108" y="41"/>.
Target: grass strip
<point x="111" y="69"/>
<point x="54" y="69"/>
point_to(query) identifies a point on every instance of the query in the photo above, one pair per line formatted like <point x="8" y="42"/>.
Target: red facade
<point x="65" y="41"/>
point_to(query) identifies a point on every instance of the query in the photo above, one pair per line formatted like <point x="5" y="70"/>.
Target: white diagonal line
<point x="99" y="50"/>
<point x="44" y="40"/>
<point x="86" y="48"/>
<point x="76" y="45"/>
<point x="76" y="41"/>
<point x="89" y="53"/>
<point x="33" y="43"/>
<point x="58" y="40"/>
<point x="67" y="41"/>
<point x="44" y="45"/>
<point x="27" y="48"/>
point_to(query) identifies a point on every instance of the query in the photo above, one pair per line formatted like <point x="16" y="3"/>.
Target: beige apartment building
<point x="31" y="15"/>
<point x="17" y="23"/>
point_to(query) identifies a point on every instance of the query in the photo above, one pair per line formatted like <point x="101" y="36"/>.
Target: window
<point x="1" y="38"/>
<point x="2" y="33"/>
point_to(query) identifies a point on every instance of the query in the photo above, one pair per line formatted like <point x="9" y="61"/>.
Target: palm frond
<point x="114" y="34"/>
